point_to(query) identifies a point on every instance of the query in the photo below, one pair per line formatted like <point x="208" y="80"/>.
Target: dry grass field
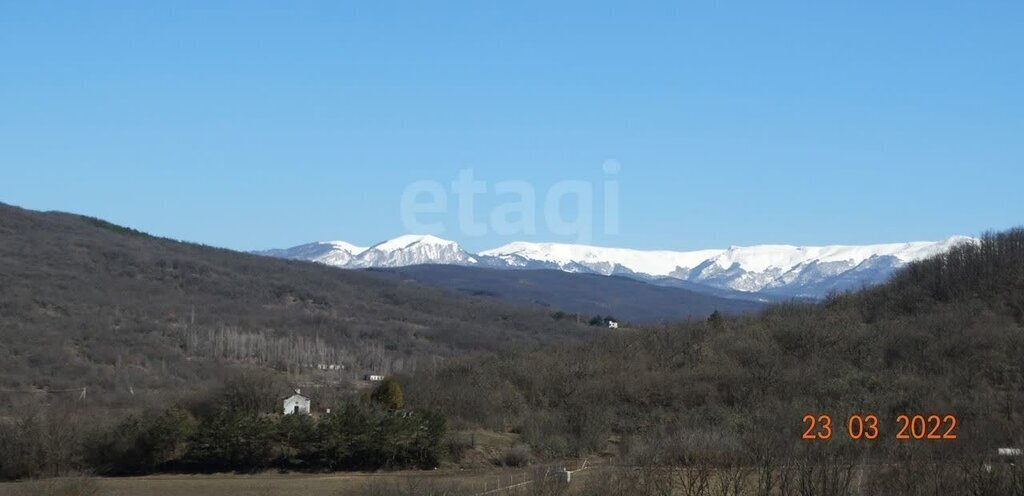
<point x="455" y="482"/>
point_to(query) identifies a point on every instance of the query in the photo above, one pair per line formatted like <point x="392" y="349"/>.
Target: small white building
<point x="613" y="324"/>
<point x="296" y="404"/>
<point x="373" y="377"/>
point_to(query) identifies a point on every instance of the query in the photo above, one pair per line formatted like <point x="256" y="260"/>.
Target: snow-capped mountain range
<point x="781" y="270"/>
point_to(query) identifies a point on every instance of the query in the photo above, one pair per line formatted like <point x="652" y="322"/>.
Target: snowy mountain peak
<point x="337" y="253"/>
<point x="413" y="249"/>
<point x="346" y="246"/>
<point x="409" y="240"/>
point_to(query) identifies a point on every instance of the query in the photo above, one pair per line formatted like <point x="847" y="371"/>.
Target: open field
<point x="267" y="484"/>
<point x="836" y="479"/>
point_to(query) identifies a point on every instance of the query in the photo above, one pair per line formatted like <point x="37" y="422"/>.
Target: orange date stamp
<point x="915" y="427"/>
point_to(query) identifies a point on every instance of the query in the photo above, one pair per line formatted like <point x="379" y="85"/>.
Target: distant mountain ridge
<point x="336" y="253"/>
<point x="413" y="250"/>
<point x="775" y="270"/>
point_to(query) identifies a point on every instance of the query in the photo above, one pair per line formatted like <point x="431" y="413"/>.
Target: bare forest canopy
<point x="944" y="336"/>
<point x="88" y="304"/>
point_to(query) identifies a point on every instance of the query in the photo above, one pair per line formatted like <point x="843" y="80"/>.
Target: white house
<point x="373" y="377"/>
<point x="296" y="403"/>
<point x="613" y="325"/>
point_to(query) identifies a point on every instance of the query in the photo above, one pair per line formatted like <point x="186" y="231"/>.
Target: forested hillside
<point x="620" y="297"/>
<point x="88" y="304"/>
<point x="945" y="337"/>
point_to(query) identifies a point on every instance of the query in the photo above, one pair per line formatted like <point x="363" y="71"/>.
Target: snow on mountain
<point x="413" y="250"/>
<point x="341" y="253"/>
<point x="786" y="269"/>
<point x="782" y="270"/>
<point x="337" y="253"/>
<point x="403" y="250"/>
<point x="597" y="259"/>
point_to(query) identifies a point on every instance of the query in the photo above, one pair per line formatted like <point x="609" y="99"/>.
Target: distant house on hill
<point x="613" y="324"/>
<point x="296" y="404"/>
<point x="373" y="377"/>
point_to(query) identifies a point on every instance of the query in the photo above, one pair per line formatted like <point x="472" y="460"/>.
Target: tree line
<point x="230" y="430"/>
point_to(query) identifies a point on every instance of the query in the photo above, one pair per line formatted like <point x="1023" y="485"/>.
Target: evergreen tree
<point x="389" y="394"/>
<point x="716" y="320"/>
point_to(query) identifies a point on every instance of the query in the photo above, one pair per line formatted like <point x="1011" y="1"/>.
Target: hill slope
<point x="87" y="303"/>
<point x="944" y="337"/>
<point x="589" y="294"/>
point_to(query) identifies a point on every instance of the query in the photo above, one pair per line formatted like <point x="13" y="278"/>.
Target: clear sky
<point x="254" y="125"/>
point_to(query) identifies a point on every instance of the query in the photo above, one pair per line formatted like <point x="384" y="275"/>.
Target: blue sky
<point x="254" y="125"/>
